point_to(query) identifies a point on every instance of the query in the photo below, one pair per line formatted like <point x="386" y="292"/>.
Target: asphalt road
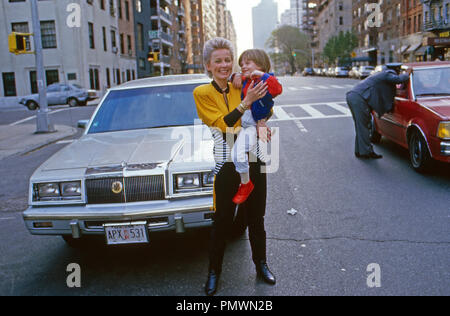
<point x="350" y="214"/>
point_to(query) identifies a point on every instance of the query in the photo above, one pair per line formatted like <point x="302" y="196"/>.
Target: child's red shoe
<point x="243" y="193"/>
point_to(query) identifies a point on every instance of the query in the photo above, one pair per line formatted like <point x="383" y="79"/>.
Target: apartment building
<point x="437" y="23"/>
<point x="96" y="54"/>
<point x="333" y="16"/>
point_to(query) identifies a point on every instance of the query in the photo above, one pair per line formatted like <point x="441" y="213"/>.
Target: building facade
<point x="96" y="53"/>
<point x="437" y="23"/>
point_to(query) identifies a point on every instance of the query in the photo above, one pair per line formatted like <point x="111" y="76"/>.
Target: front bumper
<point x="445" y="149"/>
<point x="78" y="220"/>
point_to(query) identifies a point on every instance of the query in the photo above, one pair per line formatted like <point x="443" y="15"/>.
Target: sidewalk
<point x="21" y="138"/>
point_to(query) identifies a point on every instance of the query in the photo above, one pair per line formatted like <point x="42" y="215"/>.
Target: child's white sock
<point x="245" y="178"/>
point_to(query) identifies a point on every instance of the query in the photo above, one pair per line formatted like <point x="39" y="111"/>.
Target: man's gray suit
<point x="377" y="93"/>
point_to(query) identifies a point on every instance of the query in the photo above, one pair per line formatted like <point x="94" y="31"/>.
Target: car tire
<point x="375" y="137"/>
<point x="72" y="102"/>
<point x="418" y="152"/>
<point x="32" y="105"/>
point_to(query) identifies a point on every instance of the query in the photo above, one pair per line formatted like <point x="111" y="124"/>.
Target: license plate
<point x="130" y="233"/>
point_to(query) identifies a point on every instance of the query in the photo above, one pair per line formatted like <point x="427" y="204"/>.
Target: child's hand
<point x="256" y="74"/>
<point x="237" y="81"/>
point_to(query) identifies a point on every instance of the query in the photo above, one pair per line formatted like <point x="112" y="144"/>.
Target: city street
<point x="345" y="217"/>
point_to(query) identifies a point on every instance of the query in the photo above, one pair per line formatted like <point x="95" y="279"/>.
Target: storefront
<point x="439" y="47"/>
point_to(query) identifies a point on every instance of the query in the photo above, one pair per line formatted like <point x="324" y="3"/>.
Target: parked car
<point x="138" y="168"/>
<point x="331" y="72"/>
<point x="58" y="93"/>
<point x="364" y="71"/>
<point x="354" y="72"/>
<point x="341" y="71"/>
<point x="377" y="69"/>
<point x="308" y="72"/>
<point x="420" y="120"/>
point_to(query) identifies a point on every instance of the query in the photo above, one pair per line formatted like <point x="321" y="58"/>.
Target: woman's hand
<point x="264" y="132"/>
<point x="255" y="93"/>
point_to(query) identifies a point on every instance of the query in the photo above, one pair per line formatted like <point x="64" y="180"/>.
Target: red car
<point x="420" y="120"/>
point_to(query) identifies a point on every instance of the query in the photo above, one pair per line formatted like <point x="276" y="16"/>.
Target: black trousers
<point x="226" y="186"/>
<point x="361" y="116"/>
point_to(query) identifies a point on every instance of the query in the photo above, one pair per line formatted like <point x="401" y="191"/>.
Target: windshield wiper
<point x="425" y="94"/>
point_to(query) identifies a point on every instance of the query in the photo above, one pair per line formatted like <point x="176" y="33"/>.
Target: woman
<point x="220" y="107"/>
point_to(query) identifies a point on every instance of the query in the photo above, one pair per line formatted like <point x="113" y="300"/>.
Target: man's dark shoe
<point x="211" y="283"/>
<point x="262" y="270"/>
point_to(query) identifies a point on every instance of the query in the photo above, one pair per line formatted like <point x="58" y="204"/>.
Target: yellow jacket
<point x="211" y="106"/>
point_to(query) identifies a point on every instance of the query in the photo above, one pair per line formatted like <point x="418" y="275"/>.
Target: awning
<point x="402" y="49"/>
<point x="420" y="51"/>
<point x="362" y="58"/>
<point x="413" y="48"/>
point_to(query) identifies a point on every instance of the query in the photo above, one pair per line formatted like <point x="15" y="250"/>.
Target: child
<point x="255" y="66"/>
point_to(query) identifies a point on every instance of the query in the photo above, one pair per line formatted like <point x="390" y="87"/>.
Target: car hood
<point x="440" y="106"/>
<point x="137" y="147"/>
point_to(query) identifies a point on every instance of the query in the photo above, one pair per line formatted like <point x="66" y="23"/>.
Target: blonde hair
<point x="211" y="46"/>
<point x="259" y="57"/>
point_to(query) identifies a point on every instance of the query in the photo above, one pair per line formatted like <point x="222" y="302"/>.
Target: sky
<point x="241" y="11"/>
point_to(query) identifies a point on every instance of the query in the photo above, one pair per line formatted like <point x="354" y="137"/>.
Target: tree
<point x="290" y="46"/>
<point x="339" y="48"/>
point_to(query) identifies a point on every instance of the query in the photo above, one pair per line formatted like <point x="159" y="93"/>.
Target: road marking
<point x="299" y="124"/>
<point x="308" y="88"/>
<point x="6" y="218"/>
<point x="280" y="113"/>
<point x="322" y="87"/>
<point x="292" y="89"/>
<point x="340" y="108"/>
<point x="338" y="87"/>
<point x="312" y="111"/>
<point x="33" y="117"/>
<point x="66" y="141"/>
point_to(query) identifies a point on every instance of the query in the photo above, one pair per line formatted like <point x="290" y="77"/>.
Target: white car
<point x="144" y="164"/>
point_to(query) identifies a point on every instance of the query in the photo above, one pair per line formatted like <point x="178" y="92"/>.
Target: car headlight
<point x="57" y="191"/>
<point x="444" y="130"/>
<point x="71" y="188"/>
<point x="48" y="189"/>
<point x="193" y="182"/>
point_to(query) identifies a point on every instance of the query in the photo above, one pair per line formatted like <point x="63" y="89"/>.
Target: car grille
<point x="134" y="189"/>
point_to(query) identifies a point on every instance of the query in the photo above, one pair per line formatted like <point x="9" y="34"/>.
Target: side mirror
<point x="83" y="124"/>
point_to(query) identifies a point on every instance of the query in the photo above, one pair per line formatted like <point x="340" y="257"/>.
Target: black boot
<point x="211" y="283"/>
<point x="263" y="271"/>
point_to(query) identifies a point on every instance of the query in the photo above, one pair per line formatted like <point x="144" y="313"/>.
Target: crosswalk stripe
<point x="340" y="108"/>
<point x="312" y="111"/>
<point x="293" y="88"/>
<point x="322" y="87"/>
<point x="308" y="88"/>
<point x="336" y="86"/>
<point x="280" y="113"/>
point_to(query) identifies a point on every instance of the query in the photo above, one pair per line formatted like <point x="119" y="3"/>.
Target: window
<point x="138" y="6"/>
<point x="105" y="47"/>
<point x="48" y="33"/>
<point x="127" y="10"/>
<point x="113" y="39"/>
<point x="341" y="20"/>
<point x="140" y="37"/>
<point x="102" y="4"/>
<point x="93" y="79"/>
<point x="9" y="84"/>
<point x="122" y="45"/>
<point x="129" y="44"/>
<point x="108" y="78"/>
<point x="91" y="35"/>
<point x="52" y="76"/>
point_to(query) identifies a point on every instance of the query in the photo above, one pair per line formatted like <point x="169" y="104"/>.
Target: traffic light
<point x="153" y="57"/>
<point x="17" y="43"/>
<point x="294" y="54"/>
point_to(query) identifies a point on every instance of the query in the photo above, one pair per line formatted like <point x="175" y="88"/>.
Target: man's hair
<point x="259" y="57"/>
<point x="211" y="46"/>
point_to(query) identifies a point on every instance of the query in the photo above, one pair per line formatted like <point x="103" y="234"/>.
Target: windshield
<point x="432" y="81"/>
<point x="146" y="108"/>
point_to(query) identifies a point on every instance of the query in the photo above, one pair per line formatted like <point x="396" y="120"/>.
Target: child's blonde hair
<point x="259" y="57"/>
